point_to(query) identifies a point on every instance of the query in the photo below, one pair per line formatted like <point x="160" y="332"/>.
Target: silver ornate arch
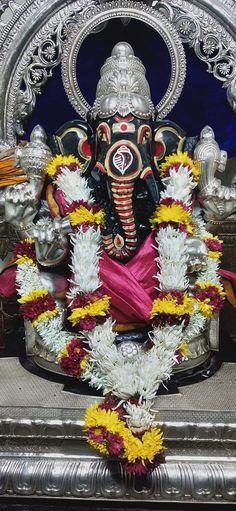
<point x="124" y="9"/>
<point x="31" y="44"/>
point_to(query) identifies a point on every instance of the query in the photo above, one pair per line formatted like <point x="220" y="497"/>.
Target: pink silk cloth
<point x="229" y="275"/>
<point x="131" y="286"/>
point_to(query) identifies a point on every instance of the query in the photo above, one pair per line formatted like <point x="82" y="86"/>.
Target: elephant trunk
<point x="120" y="247"/>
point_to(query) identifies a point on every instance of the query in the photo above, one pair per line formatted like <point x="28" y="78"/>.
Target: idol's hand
<point x="51" y="246"/>
<point x="21" y="203"/>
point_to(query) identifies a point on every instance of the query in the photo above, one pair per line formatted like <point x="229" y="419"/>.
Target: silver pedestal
<point x="44" y="452"/>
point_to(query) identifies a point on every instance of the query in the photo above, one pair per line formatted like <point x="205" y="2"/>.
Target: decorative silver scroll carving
<point x="7" y="10"/>
<point x="41" y="65"/>
<point x="21" y="40"/>
<point x="124" y="9"/>
<point x="19" y="88"/>
<point x="37" y="443"/>
<point x="210" y="41"/>
<point x="95" y="479"/>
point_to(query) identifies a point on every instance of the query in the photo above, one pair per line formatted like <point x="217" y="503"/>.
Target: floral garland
<point x="124" y="425"/>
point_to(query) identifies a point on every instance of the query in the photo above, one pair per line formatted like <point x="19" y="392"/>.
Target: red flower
<point x="25" y="248"/>
<point x="115" y="443"/>
<point x="76" y="204"/>
<point x="210" y="292"/>
<point x="135" y="468"/>
<point x="84" y="299"/>
<point x="97" y="434"/>
<point x="140" y="468"/>
<point x="84" y="226"/>
<point x="171" y="319"/>
<point x="87" y="323"/>
<point x="32" y="309"/>
<point x="70" y="366"/>
<point x="169" y="201"/>
<point x="76" y="353"/>
<point x="111" y="403"/>
<point x="178" y="295"/>
<point x="213" y="245"/>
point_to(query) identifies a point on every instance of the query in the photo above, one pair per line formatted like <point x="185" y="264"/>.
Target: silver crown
<point x="123" y="87"/>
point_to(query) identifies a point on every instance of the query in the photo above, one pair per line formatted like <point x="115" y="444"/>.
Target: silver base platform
<point x="43" y="451"/>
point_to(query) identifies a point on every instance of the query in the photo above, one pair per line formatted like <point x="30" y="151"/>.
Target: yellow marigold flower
<point x="82" y="214"/>
<point x="132" y="446"/>
<point x="99" y="446"/>
<point x="63" y="353"/>
<point x="184" y="159"/>
<point x="173" y="213"/>
<point x="83" y="363"/>
<point x="98" y="308"/>
<point x="204" y="285"/>
<point x="152" y="443"/>
<point x="108" y="419"/>
<point x="45" y="315"/>
<point x="21" y="259"/>
<point x="29" y="240"/>
<point x="58" y="160"/>
<point x="205" y="308"/>
<point x="210" y="236"/>
<point x="169" y="305"/>
<point x="144" y="448"/>
<point x="214" y="255"/>
<point x="33" y="295"/>
<point x="183" y="347"/>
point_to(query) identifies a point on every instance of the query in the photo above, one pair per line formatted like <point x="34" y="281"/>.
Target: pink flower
<point x="33" y="308"/>
<point x="115" y="443"/>
<point x="178" y="357"/>
<point x="70" y="363"/>
<point x="110" y="403"/>
<point x="87" y="323"/>
<point x="135" y="468"/>
<point x="24" y="248"/>
<point x="169" y="201"/>
<point x="213" y="245"/>
<point x="97" y="434"/>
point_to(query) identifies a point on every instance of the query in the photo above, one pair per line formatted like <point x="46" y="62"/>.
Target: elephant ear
<point x="168" y="138"/>
<point x="75" y="138"/>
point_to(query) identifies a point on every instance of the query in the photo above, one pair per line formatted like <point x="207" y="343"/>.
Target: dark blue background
<point x="203" y="100"/>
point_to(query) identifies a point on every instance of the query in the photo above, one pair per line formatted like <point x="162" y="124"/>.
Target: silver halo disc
<point x="123" y="9"/>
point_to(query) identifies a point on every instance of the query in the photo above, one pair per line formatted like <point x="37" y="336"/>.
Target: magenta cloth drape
<point x="8" y="282"/>
<point x="131" y="286"/>
<point x="229" y="275"/>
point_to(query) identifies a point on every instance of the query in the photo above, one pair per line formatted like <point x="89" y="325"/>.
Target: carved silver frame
<point x="35" y="22"/>
<point x="36" y="446"/>
<point x="124" y="9"/>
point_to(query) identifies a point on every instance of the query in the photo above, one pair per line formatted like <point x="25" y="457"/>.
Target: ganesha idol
<point x="118" y="235"/>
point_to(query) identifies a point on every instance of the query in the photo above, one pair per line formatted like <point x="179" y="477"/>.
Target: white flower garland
<point x="106" y="368"/>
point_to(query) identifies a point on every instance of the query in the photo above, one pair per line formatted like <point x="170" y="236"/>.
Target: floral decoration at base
<point x="109" y="433"/>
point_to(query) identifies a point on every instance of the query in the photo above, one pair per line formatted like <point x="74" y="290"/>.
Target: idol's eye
<point x="103" y="133"/>
<point x="144" y="134"/>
